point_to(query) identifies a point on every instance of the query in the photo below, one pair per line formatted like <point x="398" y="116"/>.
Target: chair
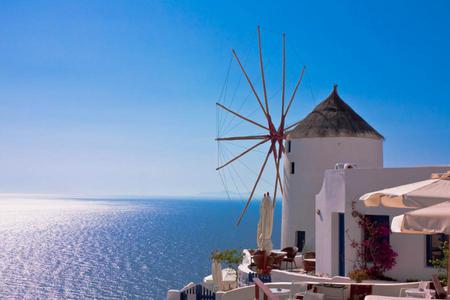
<point x="440" y="292"/>
<point x="263" y="263"/>
<point x="254" y="252"/>
<point x="309" y="254"/>
<point x="259" y="252"/>
<point x="309" y="266"/>
<point x="291" y="252"/>
<point x="277" y="260"/>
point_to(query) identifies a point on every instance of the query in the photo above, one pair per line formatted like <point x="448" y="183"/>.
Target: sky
<point x="118" y="97"/>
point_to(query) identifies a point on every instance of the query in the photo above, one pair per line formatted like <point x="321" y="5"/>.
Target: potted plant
<point x="231" y="257"/>
<point x="358" y="275"/>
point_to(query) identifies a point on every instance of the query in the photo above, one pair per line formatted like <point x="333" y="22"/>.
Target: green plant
<point x="358" y="275"/>
<point x="441" y="263"/>
<point x="216" y="255"/>
<point x="374" y="254"/>
<point x="231" y="257"/>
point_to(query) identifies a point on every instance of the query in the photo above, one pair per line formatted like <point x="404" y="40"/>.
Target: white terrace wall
<point x="340" y="189"/>
<point x="381" y="289"/>
<point x="312" y="156"/>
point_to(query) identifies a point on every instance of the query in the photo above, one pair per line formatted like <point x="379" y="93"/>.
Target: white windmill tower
<point x="332" y="133"/>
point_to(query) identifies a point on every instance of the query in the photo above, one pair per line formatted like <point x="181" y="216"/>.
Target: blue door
<point x="341" y="244"/>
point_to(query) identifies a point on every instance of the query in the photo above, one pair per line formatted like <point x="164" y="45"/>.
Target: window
<point x="292" y="167"/>
<point x="288" y="146"/>
<point x="300" y="240"/>
<point x="377" y="220"/>
<point x="434" y="247"/>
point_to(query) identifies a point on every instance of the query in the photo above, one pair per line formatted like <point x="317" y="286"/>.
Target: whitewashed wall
<point x="349" y="186"/>
<point x="312" y="156"/>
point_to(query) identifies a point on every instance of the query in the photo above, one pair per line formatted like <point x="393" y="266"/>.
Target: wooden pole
<point x="277" y="179"/>
<point x="275" y="190"/>
<point x="239" y="138"/>
<point x="261" y="64"/>
<point x="249" y="82"/>
<point x="295" y="91"/>
<point x="279" y="175"/>
<point x="241" y="116"/>
<point x="254" y="187"/>
<point x="448" y="265"/>
<point x="267" y="293"/>
<point x="243" y="153"/>
<point x="283" y="76"/>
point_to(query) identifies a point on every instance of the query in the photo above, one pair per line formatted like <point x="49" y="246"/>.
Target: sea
<point x="78" y="248"/>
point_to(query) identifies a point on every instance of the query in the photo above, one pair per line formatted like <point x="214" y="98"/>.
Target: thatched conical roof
<point x="333" y="118"/>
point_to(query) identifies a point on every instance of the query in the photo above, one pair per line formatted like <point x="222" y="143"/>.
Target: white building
<point x="333" y="157"/>
<point x="317" y="202"/>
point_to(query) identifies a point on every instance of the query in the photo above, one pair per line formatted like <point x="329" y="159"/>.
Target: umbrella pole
<point x="448" y="264"/>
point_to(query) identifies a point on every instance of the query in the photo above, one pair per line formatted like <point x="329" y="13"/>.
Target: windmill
<point x="273" y="136"/>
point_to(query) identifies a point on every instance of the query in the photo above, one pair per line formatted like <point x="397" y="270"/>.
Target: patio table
<point x="279" y="252"/>
<point x="280" y="292"/>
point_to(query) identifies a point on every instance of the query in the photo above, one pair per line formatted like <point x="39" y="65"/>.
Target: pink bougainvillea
<point x="374" y="254"/>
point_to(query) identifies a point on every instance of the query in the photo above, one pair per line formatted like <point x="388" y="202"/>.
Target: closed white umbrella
<point x="414" y="195"/>
<point x="264" y="233"/>
<point x="216" y="272"/>
<point x="429" y="220"/>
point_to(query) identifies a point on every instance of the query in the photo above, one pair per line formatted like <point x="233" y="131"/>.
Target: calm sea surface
<point x="115" y="249"/>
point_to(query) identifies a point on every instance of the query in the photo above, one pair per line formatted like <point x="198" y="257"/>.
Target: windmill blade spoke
<point x="230" y="129"/>
<point x="283" y="75"/>
<point x="281" y="185"/>
<point x="278" y="177"/>
<point x="241" y="116"/>
<point x="261" y="64"/>
<point x="294" y="92"/>
<point x="292" y="125"/>
<point x="249" y="169"/>
<point x="276" y="184"/>
<point x="248" y="137"/>
<point x="254" y="187"/>
<point x="275" y="193"/>
<point x="242" y="154"/>
<point x="249" y="82"/>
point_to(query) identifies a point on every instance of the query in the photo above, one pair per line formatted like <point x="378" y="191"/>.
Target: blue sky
<point x="117" y="97"/>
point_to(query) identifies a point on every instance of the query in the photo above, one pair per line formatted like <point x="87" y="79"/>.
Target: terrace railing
<point x="200" y="292"/>
<point x="260" y="287"/>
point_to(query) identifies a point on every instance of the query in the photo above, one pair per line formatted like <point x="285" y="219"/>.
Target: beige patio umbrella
<point x="414" y="195"/>
<point x="216" y="272"/>
<point x="264" y="233"/>
<point x="429" y="220"/>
